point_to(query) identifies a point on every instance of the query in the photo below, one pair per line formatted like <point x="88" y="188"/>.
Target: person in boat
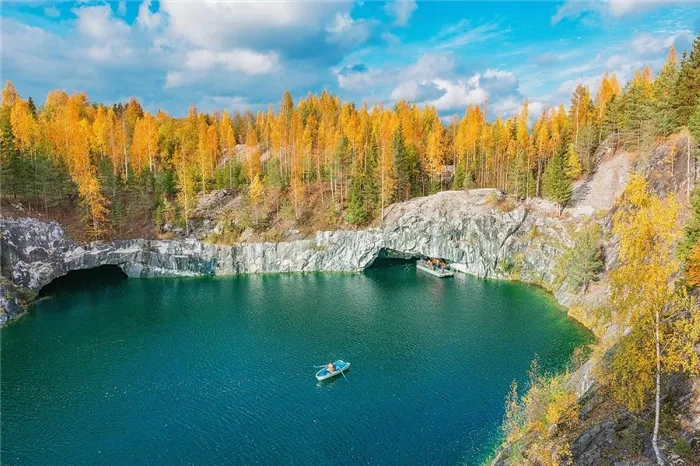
<point x="331" y="367"/>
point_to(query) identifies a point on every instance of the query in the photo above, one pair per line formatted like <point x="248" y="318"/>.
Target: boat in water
<point x="339" y="367"/>
<point x="434" y="267"/>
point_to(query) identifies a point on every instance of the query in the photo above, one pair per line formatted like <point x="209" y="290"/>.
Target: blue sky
<point x="238" y="55"/>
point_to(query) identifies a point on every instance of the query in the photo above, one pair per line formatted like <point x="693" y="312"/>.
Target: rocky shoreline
<point x="476" y="230"/>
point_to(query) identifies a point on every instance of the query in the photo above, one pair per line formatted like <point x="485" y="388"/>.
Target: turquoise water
<point x="221" y="370"/>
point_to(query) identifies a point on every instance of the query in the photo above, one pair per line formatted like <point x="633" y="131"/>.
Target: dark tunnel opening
<point x="390" y="258"/>
<point x="77" y="280"/>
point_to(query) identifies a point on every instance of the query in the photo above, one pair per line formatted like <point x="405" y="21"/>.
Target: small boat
<point x="340" y="367"/>
<point x="440" y="272"/>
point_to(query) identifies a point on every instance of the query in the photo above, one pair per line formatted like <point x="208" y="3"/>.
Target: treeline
<point x="125" y="164"/>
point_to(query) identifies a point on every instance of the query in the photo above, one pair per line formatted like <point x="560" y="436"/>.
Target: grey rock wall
<point x="465" y="228"/>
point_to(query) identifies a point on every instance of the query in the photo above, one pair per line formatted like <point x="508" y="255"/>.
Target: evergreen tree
<point x="557" y="183"/>
<point x="638" y="112"/>
<point x="614" y="120"/>
<point x="357" y="210"/>
<point x="692" y="227"/>
<point x="663" y="88"/>
<point x="694" y="123"/>
<point x="584" y="261"/>
<point x="522" y="183"/>
<point x="400" y="156"/>
<point x="687" y="87"/>
<point x="32" y="106"/>
<point x="372" y="186"/>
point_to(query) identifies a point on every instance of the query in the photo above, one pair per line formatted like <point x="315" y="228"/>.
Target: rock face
<point x="471" y="229"/>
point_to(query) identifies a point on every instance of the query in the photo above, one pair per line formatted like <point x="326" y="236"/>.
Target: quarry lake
<point x="221" y="370"/>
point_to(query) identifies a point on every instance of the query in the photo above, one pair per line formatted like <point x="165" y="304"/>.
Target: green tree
<point x="663" y="88"/>
<point x="357" y="210"/>
<point x="582" y="263"/>
<point x="687" y="87"/>
<point x="521" y="182"/>
<point x="557" y="183"/>
<point x="400" y="156"/>
<point x="694" y="123"/>
<point x="692" y="228"/>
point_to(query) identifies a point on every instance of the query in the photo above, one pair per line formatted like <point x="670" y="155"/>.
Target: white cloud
<point x="347" y="31"/>
<point x="649" y="45"/>
<point x="499" y="81"/>
<point x="248" y="61"/>
<point x="401" y="10"/>
<point x="507" y="106"/>
<point x="430" y="66"/>
<point x="535" y="108"/>
<point x="459" y="94"/>
<point x="615" y="9"/>
<point x="198" y="62"/>
<point x="97" y="23"/>
<point x="146" y="19"/>
<point x="620" y="8"/>
<point x="221" y="25"/>
<point x="357" y="81"/>
<point x="106" y="38"/>
<point x="415" y="91"/>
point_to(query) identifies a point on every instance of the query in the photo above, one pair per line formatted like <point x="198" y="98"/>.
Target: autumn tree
<point x="662" y="335"/>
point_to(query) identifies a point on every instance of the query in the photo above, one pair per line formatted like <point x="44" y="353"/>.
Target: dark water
<point x="221" y="370"/>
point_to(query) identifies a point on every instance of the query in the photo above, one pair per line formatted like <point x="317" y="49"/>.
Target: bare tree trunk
<point x="657" y="403"/>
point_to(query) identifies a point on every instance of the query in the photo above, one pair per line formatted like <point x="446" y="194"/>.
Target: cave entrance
<point x="391" y="258"/>
<point x="77" y="280"/>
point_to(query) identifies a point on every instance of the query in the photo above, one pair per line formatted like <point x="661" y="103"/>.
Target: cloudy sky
<point x="238" y="55"/>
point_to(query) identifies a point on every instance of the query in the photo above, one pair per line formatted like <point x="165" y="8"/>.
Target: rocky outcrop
<point x="10" y="303"/>
<point x="477" y="230"/>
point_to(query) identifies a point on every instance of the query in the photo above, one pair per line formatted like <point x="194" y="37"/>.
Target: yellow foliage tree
<point x="664" y="326"/>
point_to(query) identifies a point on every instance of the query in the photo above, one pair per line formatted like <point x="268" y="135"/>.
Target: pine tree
<point x="687" y="87"/>
<point x="557" y="183"/>
<point x="694" y="123"/>
<point x="692" y="227"/>
<point x="400" y="157"/>
<point x="32" y="106"/>
<point x="522" y="183"/>
<point x="614" y="120"/>
<point x="663" y="87"/>
<point x="357" y="209"/>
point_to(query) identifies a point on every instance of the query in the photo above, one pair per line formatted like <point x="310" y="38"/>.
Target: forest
<point x="120" y="166"/>
<point x="335" y="164"/>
